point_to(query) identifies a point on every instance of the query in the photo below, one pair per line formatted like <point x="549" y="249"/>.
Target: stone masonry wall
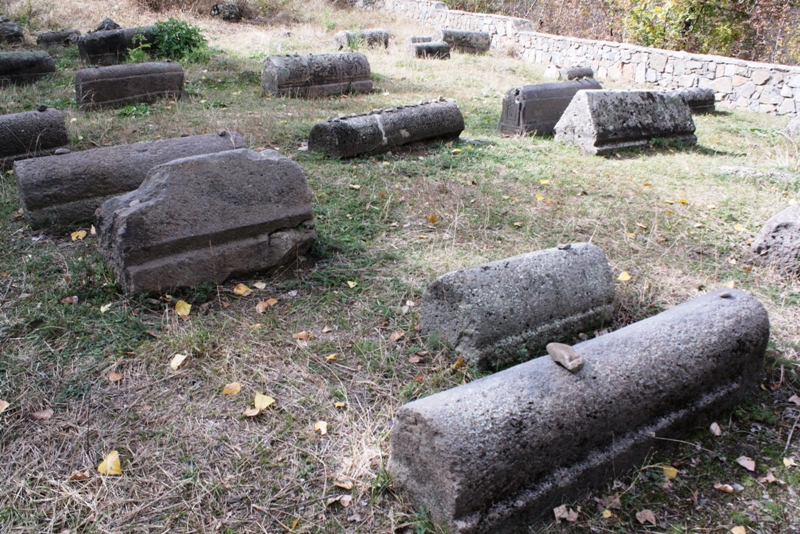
<point x="761" y="87"/>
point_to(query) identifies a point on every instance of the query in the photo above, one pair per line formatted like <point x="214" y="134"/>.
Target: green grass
<point x="192" y="462"/>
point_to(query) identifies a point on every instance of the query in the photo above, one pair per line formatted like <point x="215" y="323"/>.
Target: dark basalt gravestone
<point x="382" y="130"/>
<point x="106" y="25"/>
<point x="205" y="218"/>
<point x="699" y="99"/>
<point x="108" y="47"/>
<point x="464" y="41"/>
<point x="371" y="38"/>
<point x="498" y="454"/>
<point x="11" y="33"/>
<point x="535" y="109"/>
<point x="31" y="134"/>
<point x="429" y="50"/>
<point x="316" y="75"/>
<point x="603" y="122"/>
<point x="58" y="38"/>
<point x="134" y="82"/>
<point x="25" y="67"/>
<point x="63" y="190"/>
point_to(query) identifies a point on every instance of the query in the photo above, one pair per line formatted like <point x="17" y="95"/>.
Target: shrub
<point x="180" y="41"/>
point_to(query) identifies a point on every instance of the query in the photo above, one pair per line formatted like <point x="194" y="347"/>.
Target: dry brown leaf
<point x="396" y="335"/>
<point x="769" y="478"/>
<point x="725" y="488"/>
<point x="3" y="405"/>
<point x="739" y="530"/>
<point x="177" y="360"/>
<point x="339" y="404"/>
<point x="70" y="300"/>
<point x="646" y="516"/>
<point x="43" y="415"/>
<point x="79" y="475"/>
<point x="114" y="376"/>
<point x="433" y="218"/>
<point x="414" y="359"/>
<point x="746" y="462"/>
<point x="111" y="465"/>
<point x="795" y="399"/>
<point x="153" y="333"/>
<point x="562" y="512"/>
<point x="327" y="329"/>
<point x="260" y="285"/>
<point x="303" y="336"/>
<point x="271" y="302"/>
<point x="242" y="290"/>
<point x="232" y="389"/>
<point x="251" y="412"/>
<point x="321" y="427"/>
<point x="343" y="483"/>
<point x="262" y="306"/>
<point x="345" y="500"/>
<point x="458" y="363"/>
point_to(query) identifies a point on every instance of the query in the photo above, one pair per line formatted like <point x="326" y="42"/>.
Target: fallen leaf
<point x="271" y="302"/>
<point x="153" y="333"/>
<point x="669" y="201"/>
<point x="544" y="182"/>
<point x="79" y="475"/>
<point x="769" y="478"/>
<point x="232" y="389"/>
<point x="260" y="285"/>
<point x="321" y="427"/>
<point x="414" y="359"/>
<point x="396" y="335"/>
<point x="242" y="290"/>
<point x="111" y="465"/>
<point x="624" y="276"/>
<point x="251" y="412"/>
<point x="182" y="308"/>
<point x="105" y="307"/>
<point x="332" y="357"/>
<point x="789" y="462"/>
<point x="683" y="201"/>
<point x="730" y="285"/>
<point x="725" y="488"/>
<point x="715" y="429"/>
<point x="92" y="230"/>
<point x="339" y="404"/>
<point x="345" y="500"/>
<point x="295" y="523"/>
<point x="739" y="530"/>
<point x="43" y="415"/>
<point x="343" y="483"/>
<point x="262" y="402"/>
<point x="746" y="462"/>
<point x="739" y="227"/>
<point x="458" y="363"/>
<point x="303" y="335"/>
<point x="355" y="186"/>
<point x="3" y="405"/>
<point x="114" y="376"/>
<point x="732" y="261"/>
<point x="562" y="512"/>
<point x="78" y="234"/>
<point x="607" y="513"/>
<point x="351" y="284"/>
<point x="669" y="471"/>
<point x="262" y="306"/>
<point x="539" y="197"/>
<point x="642" y="226"/>
<point x="646" y="516"/>
<point x="70" y="300"/>
<point x="433" y="219"/>
<point x="177" y="360"/>
<point x="326" y="329"/>
<point x="795" y="399"/>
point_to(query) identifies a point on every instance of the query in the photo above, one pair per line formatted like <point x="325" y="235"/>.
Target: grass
<point x="192" y="462"/>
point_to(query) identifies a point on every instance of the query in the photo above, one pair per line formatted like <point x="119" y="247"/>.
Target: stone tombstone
<point x="464" y="41"/>
<point x="385" y="129"/>
<point x="498" y="454"/>
<point x="423" y="50"/>
<point x="603" y="122"/>
<point x="371" y="38"/>
<point x="98" y="87"/>
<point x="106" y="25"/>
<point x="58" y="38"/>
<point x="778" y="242"/>
<point x="576" y="73"/>
<point x="316" y="75"/>
<point x="793" y="128"/>
<point x="61" y="191"/>
<point x="206" y="218"/>
<point x="18" y="68"/>
<point x="109" y="47"/>
<point x="11" y="33"/>
<point x="535" y="109"/>
<point x="504" y="312"/>
<point x="31" y="134"/>
<point x="415" y="39"/>
<point x="699" y="99"/>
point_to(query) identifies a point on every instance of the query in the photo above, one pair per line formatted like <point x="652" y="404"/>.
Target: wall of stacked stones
<point x="761" y="87"/>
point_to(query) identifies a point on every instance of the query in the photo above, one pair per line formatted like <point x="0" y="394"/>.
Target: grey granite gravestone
<point x="108" y="47"/>
<point x="428" y="50"/>
<point x="98" y="87"/>
<point x="371" y="38"/>
<point x="316" y="75"/>
<point x="58" y="38"/>
<point x="463" y="40"/>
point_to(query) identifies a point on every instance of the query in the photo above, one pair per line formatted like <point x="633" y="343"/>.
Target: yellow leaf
<point x="642" y="226"/>
<point x="92" y="230"/>
<point x="732" y="261"/>
<point x="182" y="308"/>
<point x="669" y="202"/>
<point x="789" y="462"/>
<point x="544" y="182"/>
<point x="669" y="471"/>
<point x="260" y="285"/>
<point x="177" y="360"/>
<point x="242" y="290"/>
<point x="105" y="307"/>
<point x="295" y="523"/>
<point x="332" y="357"/>
<point x="730" y="284"/>
<point x="339" y="404"/>
<point x="271" y="302"/>
<point x="739" y="227"/>
<point x="624" y="276"/>
<point x="355" y="186"/>
<point x="739" y="530"/>
<point x="3" y="405"/>
<point x="539" y="197"/>
<point x="433" y="219"/>
<point x="262" y="402"/>
<point x="111" y="465"/>
<point x="683" y="201"/>
<point x="606" y="513"/>
<point x="351" y="285"/>
<point x="78" y="234"/>
<point x="114" y="376"/>
<point x="232" y="389"/>
<point x="711" y="206"/>
<point x="456" y="151"/>
<point x="321" y="427"/>
<point x="458" y="363"/>
<point x="303" y="336"/>
<point x="630" y="234"/>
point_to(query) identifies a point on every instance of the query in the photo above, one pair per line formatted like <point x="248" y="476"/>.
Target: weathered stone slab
<point x="699" y="99"/>
<point x="752" y="172"/>
<point x="58" y="38"/>
<point x="31" y="134"/>
<point x="576" y="73"/>
<point x="385" y="129"/>
<point x="107" y="24"/>
<point x="107" y="47"/>
<point x="415" y="39"/>
<point x="464" y="41"/>
<point x="371" y="38"/>
<point x="499" y="453"/>
<point x="507" y="311"/>
<point x="10" y="32"/>
<point x="778" y="242"/>
<point x="205" y="218"/>
<point x="98" y="87"/>
<point x="61" y="191"/>
<point x="316" y="75"/>
<point x="535" y="109"/>
<point x="793" y="128"/>
<point x="25" y="67"/>
<point x="423" y="50"/>
<point x="603" y="122"/>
